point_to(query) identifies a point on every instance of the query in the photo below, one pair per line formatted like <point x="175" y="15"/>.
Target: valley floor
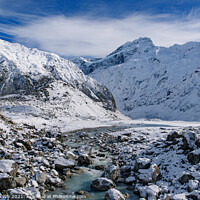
<point x="156" y="159"/>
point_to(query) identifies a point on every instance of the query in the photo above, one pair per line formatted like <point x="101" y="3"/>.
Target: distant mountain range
<point x="149" y="81"/>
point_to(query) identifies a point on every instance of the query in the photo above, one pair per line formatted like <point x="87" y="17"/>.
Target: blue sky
<point x="97" y="27"/>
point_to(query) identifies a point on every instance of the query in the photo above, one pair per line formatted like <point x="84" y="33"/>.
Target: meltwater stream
<point x="82" y="181"/>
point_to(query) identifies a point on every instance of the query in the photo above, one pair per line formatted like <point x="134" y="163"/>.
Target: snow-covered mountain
<point x="29" y="77"/>
<point x="152" y="82"/>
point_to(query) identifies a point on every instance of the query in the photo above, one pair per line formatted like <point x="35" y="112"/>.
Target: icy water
<point x="83" y="180"/>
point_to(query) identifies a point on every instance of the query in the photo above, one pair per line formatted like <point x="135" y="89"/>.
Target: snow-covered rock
<point x="113" y="194"/>
<point x="24" y="193"/>
<point x="152" y="82"/>
<point x="112" y="172"/>
<point x="142" y="163"/>
<point x="8" y="166"/>
<point x="194" y="157"/>
<point x="61" y="163"/>
<point x="150" y="192"/>
<point x="102" y="184"/>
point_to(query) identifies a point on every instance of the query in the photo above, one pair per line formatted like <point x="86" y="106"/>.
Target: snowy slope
<point x="39" y="83"/>
<point x="152" y="82"/>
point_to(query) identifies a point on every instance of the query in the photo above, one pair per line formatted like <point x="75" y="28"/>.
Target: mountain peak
<point x="141" y="44"/>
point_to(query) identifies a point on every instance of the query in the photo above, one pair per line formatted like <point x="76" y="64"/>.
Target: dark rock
<point x="112" y="172"/>
<point x="84" y="160"/>
<point x="185" y="178"/>
<point x="102" y="184"/>
<point x="6" y="182"/>
<point x="100" y="167"/>
<point x="194" y="157"/>
<point x="173" y="135"/>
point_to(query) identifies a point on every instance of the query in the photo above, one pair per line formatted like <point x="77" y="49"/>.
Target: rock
<point x="194" y="157"/>
<point x="6" y="182"/>
<point x="100" y="167"/>
<point x="8" y="166"/>
<point x="112" y="172"/>
<point x="198" y="142"/>
<point x="85" y="150"/>
<point x="185" y="178"/>
<point x="45" y="162"/>
<point x="70" y="155"/>
<point x="189" y="140"/>
<point x="173" y="135"/>
<point x="155" y="172"/>
<point x="26" y="143"/>
<point x="102" y="184"/>
<point x="20" y="181"/>
<point x="67" y="172"/>
<point x="150" y="175"/>
<point x="142" y="163"/>
<point x="24" y="193"/>
<point x="40" y="177"/>
<point x="166" y="197"/>
<point x="194" y="195"/>
<point x="113" y="194"/>
<point x="85" y="160"/>
<point x="61" y="163"/>
<point x="150" y="192"/>
<point x="179" y="197"/>
<point x="125" y="171"/>
<point x="193" y="185"/>
<point x="130" y="180"/>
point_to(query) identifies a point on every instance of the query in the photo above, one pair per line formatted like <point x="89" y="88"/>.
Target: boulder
<point x="155" y="172"/>
<point x="189" y="140"/>
<point x="40" y="177"/>
<point x="113" y="194"/>
<point x="130" y="180"/>
<point x="102" y="184"/>
<point x="84" y="160"/>
<point x="6" y="182"/>
<point x="8" y="166"/>
<point x="181" y="196"/>
<point x="193" y="185"/>
<point x="185" y="178"/>
<point x="62" y="163"/>
<point x="24" y="193"/>
<point x="20" y="181"/>
<point x="150" y="175"/>
<point x="70" y="155"/>
<point x="149" y="192"/>
<point x="194" y="157"/>
<point x="112" y="172"/>
<point x="142" y="163"/>
<point x="174" y="135"/>
<point x="85" y="150"/>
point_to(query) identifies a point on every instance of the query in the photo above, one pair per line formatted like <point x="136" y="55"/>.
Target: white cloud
<point x="75" y="36"/>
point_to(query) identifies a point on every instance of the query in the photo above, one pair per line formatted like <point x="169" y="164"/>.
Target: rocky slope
<point x="152" y="82"/>
<point x="47" y="84"/>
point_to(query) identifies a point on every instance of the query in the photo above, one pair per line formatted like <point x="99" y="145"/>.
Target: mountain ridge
<point x="152" y="82"/>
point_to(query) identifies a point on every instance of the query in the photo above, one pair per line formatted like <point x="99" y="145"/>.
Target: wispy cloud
<point x="75" y="36"/>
